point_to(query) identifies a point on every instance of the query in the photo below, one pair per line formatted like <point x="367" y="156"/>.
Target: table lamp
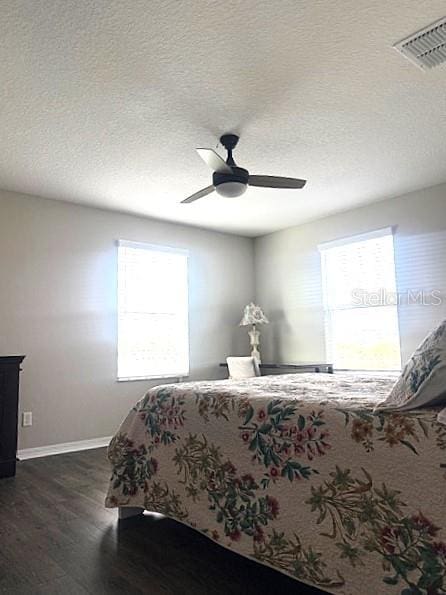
<point x="254" y="315"/>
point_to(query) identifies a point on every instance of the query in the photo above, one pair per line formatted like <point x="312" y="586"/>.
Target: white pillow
<point x="423" y="378"/>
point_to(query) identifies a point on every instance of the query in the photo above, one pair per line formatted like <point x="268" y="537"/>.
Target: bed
<point x="297" y="472"/>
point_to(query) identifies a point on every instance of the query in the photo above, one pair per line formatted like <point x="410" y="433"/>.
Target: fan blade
<point x="276" y="182"/>
<point x="215" y="162"/>
<point x="198" y="195"/>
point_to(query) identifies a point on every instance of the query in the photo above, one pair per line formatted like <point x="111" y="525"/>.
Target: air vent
<point x="426" y="48"/>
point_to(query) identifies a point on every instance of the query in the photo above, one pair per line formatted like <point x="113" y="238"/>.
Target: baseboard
<point x="57" y="449"/>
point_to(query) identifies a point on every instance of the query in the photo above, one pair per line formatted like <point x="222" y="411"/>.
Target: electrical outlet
<point x="27" y="418"/>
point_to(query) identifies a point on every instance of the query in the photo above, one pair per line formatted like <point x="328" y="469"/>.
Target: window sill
<point x="176" y="377"/>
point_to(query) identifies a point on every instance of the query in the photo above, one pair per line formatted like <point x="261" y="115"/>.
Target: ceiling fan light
<point x="231" y="189"/>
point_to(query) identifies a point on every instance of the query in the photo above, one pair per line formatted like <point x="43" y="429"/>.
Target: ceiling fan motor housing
<point x="233" y="184"/>
<point x="239" y="175"/>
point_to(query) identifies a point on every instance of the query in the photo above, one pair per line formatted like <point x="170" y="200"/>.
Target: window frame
<point x="344" y="241"/>
<point x="122" y="243"/>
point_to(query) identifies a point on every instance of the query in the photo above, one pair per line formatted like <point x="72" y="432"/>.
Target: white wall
<point x="288" y="276"/>
<point x="58" y="307"/>
<point x="58" y="297"/>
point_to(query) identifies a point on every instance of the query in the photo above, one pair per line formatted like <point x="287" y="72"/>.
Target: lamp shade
<point x="253" y="315"/>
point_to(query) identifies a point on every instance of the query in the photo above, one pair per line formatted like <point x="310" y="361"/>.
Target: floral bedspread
<point x="297" y="472"/>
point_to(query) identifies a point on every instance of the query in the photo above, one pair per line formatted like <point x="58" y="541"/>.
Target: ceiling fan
<point x="230" y="180"/>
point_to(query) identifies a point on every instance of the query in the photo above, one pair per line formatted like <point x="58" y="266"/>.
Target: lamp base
<point x="256" y="355"/>
<point x="254" y="337"/>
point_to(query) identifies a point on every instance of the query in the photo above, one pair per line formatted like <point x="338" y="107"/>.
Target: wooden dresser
<point x="9" y="409"/>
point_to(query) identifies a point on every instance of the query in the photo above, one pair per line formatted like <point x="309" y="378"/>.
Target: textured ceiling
<point x="103" y="101"/>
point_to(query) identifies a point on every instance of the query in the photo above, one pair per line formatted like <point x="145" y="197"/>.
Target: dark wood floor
<point x="57" y="537"/>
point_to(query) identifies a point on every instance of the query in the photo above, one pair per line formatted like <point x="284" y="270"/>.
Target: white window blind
<point x="361" y="316"/>
<point x="153" y="329"/>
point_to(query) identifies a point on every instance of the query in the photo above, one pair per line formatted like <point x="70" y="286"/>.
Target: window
<point x="360" y="302"/>
<point x="153" y="330"/>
